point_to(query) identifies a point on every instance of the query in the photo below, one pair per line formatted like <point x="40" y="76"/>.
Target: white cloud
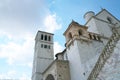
<point x="22" y="54"/>
<point x="9" y="75"/>
<point x="24" y="77"/>
<point x="17" y="17"/>
<point x="20" y="16"/>
<point x="19" y="21"/>
<point x="51" y="24"/>
<point x="17" y="53"/>
<point x="57" y="48"/>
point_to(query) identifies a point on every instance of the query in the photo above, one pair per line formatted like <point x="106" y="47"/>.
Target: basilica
<point x="92" y="51"/>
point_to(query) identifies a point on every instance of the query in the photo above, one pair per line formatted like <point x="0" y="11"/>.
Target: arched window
<point x="49" y="38"/>
<point x="45" y="37"/>
<point x="80" y="32"/>
<point x="70" y="36"/>
<point x="50" y="77"/>
<point x="41" y="36"/>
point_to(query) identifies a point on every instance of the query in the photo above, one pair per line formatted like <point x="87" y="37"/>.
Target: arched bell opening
<point x="50" y="77"/>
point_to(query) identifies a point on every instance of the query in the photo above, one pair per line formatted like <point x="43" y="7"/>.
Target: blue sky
<point x="21" y="19"/>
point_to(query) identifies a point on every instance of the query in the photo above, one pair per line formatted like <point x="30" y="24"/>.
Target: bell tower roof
<point x="75" y="29"/>
<point x="74" y="24"/>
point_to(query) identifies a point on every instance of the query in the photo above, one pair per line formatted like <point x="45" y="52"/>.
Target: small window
<point x="80" y="32"/>
<point x="99" y="38"/>
<point x="41" y="36"/>
<point x="49" y="47"/>
<point x="45" y="46"/>
<point x="94" y="37"/>
<point x="70" y="36"/>
<point x="109" y="19"/>
<point x="90" y="36"/>
<point x="49" y="38"/>
<point x="45" y="37"/>
<point x="41" y="45"/>
<point x="84" y="74"/>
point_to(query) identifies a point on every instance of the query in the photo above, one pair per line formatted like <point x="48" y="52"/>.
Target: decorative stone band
<point x="106" y="53"/>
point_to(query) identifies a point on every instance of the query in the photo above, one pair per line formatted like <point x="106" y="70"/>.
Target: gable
<point x="106" y="16"/>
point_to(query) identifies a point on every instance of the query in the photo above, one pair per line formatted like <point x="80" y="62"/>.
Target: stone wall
<point x="59" y="69"/>
<point x="111" y="69"/>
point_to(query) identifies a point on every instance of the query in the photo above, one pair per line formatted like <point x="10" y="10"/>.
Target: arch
<point x="70" y="36"/>
<point x="80" y="32"/>
<point x="50" y="77"/>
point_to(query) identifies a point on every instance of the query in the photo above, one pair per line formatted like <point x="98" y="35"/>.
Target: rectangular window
<point x="45" y="37"/>
<point x="45" y="46"/>
<point x="41" y="36"/>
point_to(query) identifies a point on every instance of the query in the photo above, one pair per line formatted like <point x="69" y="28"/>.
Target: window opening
<point x="70" y="36"/>
<point x="41" y="36"/>
<point x="45" y="37"/>
<point x="50" y="77"/>
<point x="94" y="37"/>
<point x="98" y="38"/>
<point x="90" y="36"/>
<point x="84" y="74"/>
<point x="49" y="38"/>
<point x="49" y="46"/>
<point x="41" y="45"/>
<point x="45" y="46"/>
<point x="80" y="32"/>
<point x="109" y="19"/>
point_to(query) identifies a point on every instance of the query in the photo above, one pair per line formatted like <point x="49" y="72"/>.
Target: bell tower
<point x="82" y="50"/>
<point x="43" y="54"/>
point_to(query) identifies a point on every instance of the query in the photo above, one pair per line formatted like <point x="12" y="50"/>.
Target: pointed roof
<point x="107" y="12"/>
<point x="102" y="10"/>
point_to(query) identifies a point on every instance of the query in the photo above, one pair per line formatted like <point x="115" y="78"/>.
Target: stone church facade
<point x="92" y="51"/>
